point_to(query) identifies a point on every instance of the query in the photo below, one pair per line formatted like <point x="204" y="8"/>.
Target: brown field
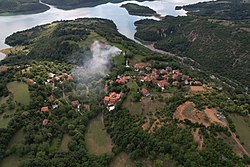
<point x="145" y="106"/>
<point x="211" y="113"/>
<point x="206" y="117"/>
<point x="198" y="89"/>
<point x="188" y="111"/>
<point x="3" y="68"/>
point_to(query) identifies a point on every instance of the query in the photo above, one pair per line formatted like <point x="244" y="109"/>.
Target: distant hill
<point x="70" y="4"/>
<point x="21" y="7"/>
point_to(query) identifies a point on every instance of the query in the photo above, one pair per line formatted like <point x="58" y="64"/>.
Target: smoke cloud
<point x="89" y="76"/>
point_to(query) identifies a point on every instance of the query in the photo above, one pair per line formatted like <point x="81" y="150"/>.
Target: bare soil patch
<point x="211" y="113"/>
<point x="188" y="111"/>
<point x="198" y="89"/>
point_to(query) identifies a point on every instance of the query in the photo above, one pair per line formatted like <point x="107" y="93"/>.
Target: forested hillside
<point x="213" y="38"/>
<point x="21" y="6"/>
<point x="69" y="4"/>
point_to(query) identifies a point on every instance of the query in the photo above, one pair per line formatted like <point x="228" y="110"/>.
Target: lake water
<point x="123" y="21"/>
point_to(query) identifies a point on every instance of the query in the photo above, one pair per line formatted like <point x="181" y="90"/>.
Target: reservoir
<point x="123" y="21"/>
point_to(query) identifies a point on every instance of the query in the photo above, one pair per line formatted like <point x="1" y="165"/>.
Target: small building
<point x="55" y="106"/>
<point x="169" y="69"/>
<point x="162" y="84"/>
<point x="106" y="99"/>
<point x="138" y="67"/>
<point x="145" y="92"/>
<point x="75" y="103"/>
<point x="86" y="107"/>
<point x="69" y="78"/>
<point x="51" y="75"/>
<point x="45" y="109"/>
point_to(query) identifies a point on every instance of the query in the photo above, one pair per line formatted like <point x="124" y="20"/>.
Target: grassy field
<point x="97" y="139"/>
<point x="5" y="118"/>
<point x="122" y="160"/>
<point x="119" y="60"/>
<point x="17" y="139"/>
<point x="242" y="125"/>
<point x="146" y="105"/>
<point x="64" y="144"/>
<point x="20" y="92"/>
<point x="10" y="161"/>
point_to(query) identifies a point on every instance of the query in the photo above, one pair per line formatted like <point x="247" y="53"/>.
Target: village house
<point x="51" y="75"/>
<point x="86" y="107"/>
<point x="162" y="84"/>
<point x="145" y="92"/>
<point x="55" y="106"/>
<point x="45" y="109"/>
<point x="138" y="67"/>
<point x="112" y="98"/>
<point x="75" y="103"/>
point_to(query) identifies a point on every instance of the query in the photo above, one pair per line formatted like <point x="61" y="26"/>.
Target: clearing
<point x="17" y="139"/>
<point x="64" y="144"/>
<point x="96" y="138"/>
<point x="198" y="89"/>
<point x="10" y="161"/>
<point x="146" y="105"/>
<point x="20" y="92"/>
<point x="5" y="118"/>
<point x="206" y="117"/>
<point x="122" y="160"/>
<point x="242" y="125"/>
<point x="188" y="111"/>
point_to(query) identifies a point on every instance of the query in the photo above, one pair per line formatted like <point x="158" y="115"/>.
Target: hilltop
<point x="141" y="107"/>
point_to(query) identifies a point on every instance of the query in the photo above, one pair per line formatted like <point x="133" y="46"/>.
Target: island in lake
<point x="138" y="10"/>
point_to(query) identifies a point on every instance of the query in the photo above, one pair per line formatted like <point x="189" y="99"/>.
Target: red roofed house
<point x="45" y="122"/>
<point x="162" y="84"/>
<point x="122" y="80"/>
<point x="145" y="92"/>
<point x="75" y="103"/>
<point x="137" y="67"/>
<point x="45" y="109"/>
<point x="148" y="78"/>
<point x="163" y="71"/>
<point x="175" y="76"/>
<point x="114" y="97"/>
<point x="69" y="78"/>
<point x="106" y="99"/>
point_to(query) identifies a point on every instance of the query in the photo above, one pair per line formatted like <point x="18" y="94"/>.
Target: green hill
<point x="21" y="6"/>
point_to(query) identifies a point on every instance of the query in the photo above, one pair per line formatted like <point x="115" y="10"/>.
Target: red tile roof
<point x="45" y="109"/>
<point x="145" y="92"/>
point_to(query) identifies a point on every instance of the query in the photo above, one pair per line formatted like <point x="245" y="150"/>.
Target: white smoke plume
<point x="89" y="77"/>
